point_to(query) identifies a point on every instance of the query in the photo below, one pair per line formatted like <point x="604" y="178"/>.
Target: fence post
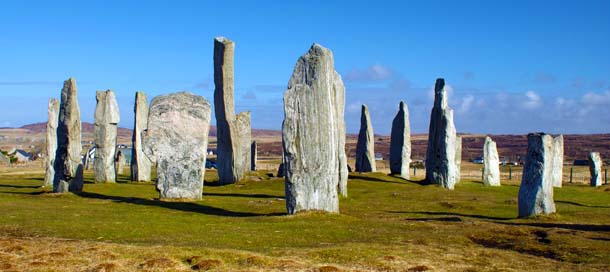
<point x="482" y="174"/>
<point x="571" y="172"/>
<point x="606" y="176"/>
<point x="414" y="171"/>
<point x="510" y="172"/>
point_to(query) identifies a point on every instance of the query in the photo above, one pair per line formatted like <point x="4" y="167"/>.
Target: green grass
<point x="471" y="227"/>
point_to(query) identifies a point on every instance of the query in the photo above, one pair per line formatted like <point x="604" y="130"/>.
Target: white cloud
<point x="466" y="104"/>
<point x="373" y="73"/>
<point x="532" y="100"/>
<point x="594" y="99"/>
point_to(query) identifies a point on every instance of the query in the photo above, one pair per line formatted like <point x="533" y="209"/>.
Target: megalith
<point x="233" y="131"/>
<point x="441" y="167"/>
<point x="458" y="158"/>
<point x="536" y="190"/>
<point x="120" y="161"/>
<point x="595" y="168"/>
<point x="107" y="118"/>
<point x="140" y="164"/>
<point x="313" y="134"/>
<point x="400" y="142"/>
<point x="365" y="147"/>
<point x="254" y="155"/>
<point x="68" y="164"/>
<point x="558" y="161"/>
<point x="51" y="140"/>
<point x="176" y="140"/>
<point x="491" y="163"/>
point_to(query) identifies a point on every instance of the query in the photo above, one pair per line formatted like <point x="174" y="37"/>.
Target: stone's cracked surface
<point x="595" y="168"/>
<point x="107" y="118"/>
<point x="536" y="190"/>
<point x="313" y="134"/>
<point x="558" y="161"/>
<point x="400" y="142"/>
<point x="441" y="167"/>
<point x="140" y="164"/>
<point x="491" y="163"/>
<point x="233" y="131"/>
<point x="176" y="141"/>
<point x="68" y="165"/>
<point x="365" y="148"/>
<point x="51" y="140"/>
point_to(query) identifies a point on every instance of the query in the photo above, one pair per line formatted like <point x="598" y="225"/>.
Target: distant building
<point x="22" y="155"/>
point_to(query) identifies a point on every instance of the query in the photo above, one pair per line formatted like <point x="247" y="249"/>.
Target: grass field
<point x="386" y="224"/>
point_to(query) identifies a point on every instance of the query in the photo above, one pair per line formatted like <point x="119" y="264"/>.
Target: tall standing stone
<point x="120" y="161"/>
<point x="595" y="168"/>
<point x="400" y="142"/>
<point x="107" y="118"/>
<point x="558" y="161"/>
<point x="441" y="167"/>
<point x="458" y="158"/>
<point x="491" y="163"/>
<point x="53" y="111"/>
<point x="365" y="148"/>
<point x="68" y="163"/>
<point x="177" y="141"/>
<point x="313" y="134"/>
<point x="254" y="154"/>
<point x="536" y="190"/>
<point x="233" y="131"/>
<point x="140" y="164"/>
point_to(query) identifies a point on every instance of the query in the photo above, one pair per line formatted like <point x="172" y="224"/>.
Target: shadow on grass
<point x="20" y="186"/>
<point x="242" y="195"/>
<point x="24" y="193"/>
<point x="582" y="205"/>
<point x="378" y="179"/>
<point x="180" y="206"/>
<point x="455" y="214"/>
<point x="439" y="219"/>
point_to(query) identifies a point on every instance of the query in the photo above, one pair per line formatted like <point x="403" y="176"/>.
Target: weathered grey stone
<point x="120" y="162"/>
<point x="441" y="167"/>
<point x="281" y="170"/>
<point x="53" y="111"/>
<point x="311" y="132"/>
<point x="176" y="140"/>
<point x="458" y="158"/>
<point x="365" y="147"/>
<point x="233" y="131"/>
<point x="68" y="164"/>
<point x="536" y="190"/>
<point x="491" y="163"/>
<point x="107" y="118"/>
<point x="400" y="142"/>
<point x="254" y="156"/>
<point x="558" y="161"/>
<point x="595" y="168"/>
<point x="140" y="164"/>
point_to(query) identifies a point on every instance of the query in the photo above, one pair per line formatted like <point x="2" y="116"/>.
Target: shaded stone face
<point x="400" y="142"/>
<point x="233" y="131"/>
<point x="254" y="154"/>
<point x="68" y="165"/>
<point x="365" y="148"/>
<point x="595" y="168"/>
<point x="140" y="164"/>
<point x="51" y="140"/>
<point x="491" y="163"/>
<point x="107" y="118"/>
<point x="536" y="190"/>
<point x="313" y="134"/>
<point x="557" y="161"/>
<point x="176" y="141"/>
<point x="441" y="167"/>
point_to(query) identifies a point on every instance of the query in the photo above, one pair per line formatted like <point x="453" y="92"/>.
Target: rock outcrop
<point x="365" y="148"/>
<point x="536" y="190"/>
<point x="595" y="168"/>
<point x="491" y="163"/>
<point x="254" y="156"/>
<point x="558" y="161"/>
<point x="176" y="140"/>
<point x="313" y="134"/>
<point x="140" y="164"/>
<point x="441" y="167"/>
<point x="51" y="140"/>
<point x="68" y="164"/>
<point x="233" y="131"/>
<point x="400" y="143"/>
<point x="107" y="118"/>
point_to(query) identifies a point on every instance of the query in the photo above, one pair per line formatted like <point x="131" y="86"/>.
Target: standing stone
<point x="120" y="162"/>
<point x="105" y="132"/>
<point x="254" y="154"/>
<point x="281" y="170"/>
<point x="536" y="190"/>
<point x="177" y="141"/>
<point x="441" y="167"/>
<point x="595" y="168"/>
<point x="233" y="131"/>
<point x="491" y="163"/>
<point x="458" y="158"/>
<point x="400" y="143"/>
<point x="53" y="111"/>
<point x="68" y="163"/>
<point x="313" y="134"/>
<point x="558" y="161"/>
<point x="365" y="148"/>
<point x="140" y="164"/>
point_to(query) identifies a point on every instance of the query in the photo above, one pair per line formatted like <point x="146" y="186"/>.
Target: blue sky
<point x="511" y="66"/>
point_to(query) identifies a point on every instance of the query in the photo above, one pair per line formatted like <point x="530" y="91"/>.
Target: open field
<point x="386" y="224"/>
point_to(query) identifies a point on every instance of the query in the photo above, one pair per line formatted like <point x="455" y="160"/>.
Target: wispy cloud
<point x="373" y="73"/>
